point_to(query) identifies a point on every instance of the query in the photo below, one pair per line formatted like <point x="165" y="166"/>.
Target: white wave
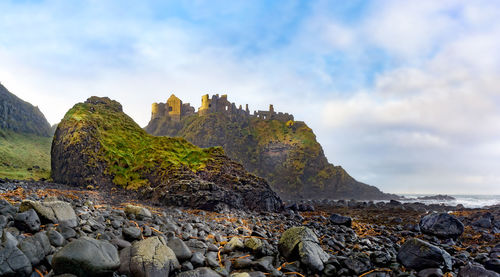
<point x="469" y="201"/>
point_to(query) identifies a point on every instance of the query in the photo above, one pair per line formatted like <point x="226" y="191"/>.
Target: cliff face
<point x="20" y="116"/>
<point x="284" y="153"/>
<point x="96" y="143"/>
<point x="24" y="139"/>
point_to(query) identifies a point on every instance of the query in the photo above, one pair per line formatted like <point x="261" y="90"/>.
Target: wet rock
<point x="199" y="272"/>
<point x="180" y="249"/>
<point x="27" y="221"/>
<point x="52" y="212"/>
<point x="253" y="244"/>
<point x="341" y="220"/>
<point x="137" y="211"/>
<point x="430" y="272"/>
<point x="234" y="243"/>
<point x="86" y="257"/>
<point x="441" y="225"/>
<point x="149" y="257"/>
<point x="131" y="233"/>
<point x="476" y="271"/>
<point x="36" y="247"/>
<point x="493" y="264"/>
<point x="55" y="238"/>
<point x="6" y="208"/>
<point x="198" y="259"/>
<point x="302" y="243"/>
<point x="13" y="262"/>
<point x="418" y="254"/>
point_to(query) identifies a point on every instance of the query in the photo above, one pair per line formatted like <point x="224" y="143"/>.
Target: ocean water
<point x="469" y="201"/>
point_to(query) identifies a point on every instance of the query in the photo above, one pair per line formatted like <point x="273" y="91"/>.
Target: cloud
<point x="404" y="95"/>
<point x="435" y="121"/>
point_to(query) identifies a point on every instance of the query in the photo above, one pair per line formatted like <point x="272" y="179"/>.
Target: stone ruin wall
<point x="174" y="109"/>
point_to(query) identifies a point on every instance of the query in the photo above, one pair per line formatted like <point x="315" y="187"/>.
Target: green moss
<point x="24" y="156"/>
<point x="128" y="151"/>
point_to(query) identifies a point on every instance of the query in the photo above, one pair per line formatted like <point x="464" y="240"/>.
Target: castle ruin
<point x="174" y="109"/>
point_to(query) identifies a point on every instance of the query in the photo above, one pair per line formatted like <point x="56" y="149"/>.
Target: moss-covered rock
<point x="284" y="153"/>
<point x="97" y="144"/>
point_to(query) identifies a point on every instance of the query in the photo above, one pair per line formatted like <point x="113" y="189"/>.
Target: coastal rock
<point x="93" y="139"/>
<point x="52" y="212"/>
<point x="181" y="250"/>
<point x="476" y="271"/>
<point x="137" y="211"/>
<point x="36" y="247"/>
<point x="274" y="146"/>
<point x="418" y="254"/>
<point x="13" y="262"/>
<point x="341" y="220"/>
<point x="86" y="257"/>
<point x="27" y="221"/>
<point x="441" y="225"/>
<point x="148" y="258"/>
<point x="301" y="243"/>
<point x="199" y="272"/>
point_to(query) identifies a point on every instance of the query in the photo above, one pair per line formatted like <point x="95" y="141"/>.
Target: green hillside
<point x="24" y="156"/>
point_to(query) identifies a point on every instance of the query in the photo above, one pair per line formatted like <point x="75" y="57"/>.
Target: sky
<point x="405" y="95"/>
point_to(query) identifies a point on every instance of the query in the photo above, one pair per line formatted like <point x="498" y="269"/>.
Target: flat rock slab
<point x="52" y="212"/>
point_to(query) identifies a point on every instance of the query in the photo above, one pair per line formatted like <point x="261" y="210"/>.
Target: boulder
<point x="52" y="212"/>
<point x="27" y="221"/>
<point x="13" y="262"/>
<point x="301" y="243"/>
<point x="476" y="271"/>
<point x="86" y="257"/>
<point x="36" y="247"/>
<point x="181" y="250"/>
<point x="148" y="258"/>
<point x="138" y="211"/>
<point x="199" y="272"/>
<point x="341" y="220"/>
<point x="418" y="254"/>
<point x="442" y="225"/>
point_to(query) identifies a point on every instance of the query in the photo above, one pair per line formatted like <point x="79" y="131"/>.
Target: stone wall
<point x="174" y="109"/>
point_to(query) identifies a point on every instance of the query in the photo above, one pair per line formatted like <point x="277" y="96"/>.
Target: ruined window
<point x="227" y="108"/>
<point x="169" y="108"/>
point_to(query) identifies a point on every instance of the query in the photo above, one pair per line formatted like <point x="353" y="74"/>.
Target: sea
<point x="469" y="201"/>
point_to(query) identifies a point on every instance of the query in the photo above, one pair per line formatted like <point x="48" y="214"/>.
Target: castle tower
<point x="154" y="110"/>
<point x="174" y="105"/>
<point x="205" y="105"/>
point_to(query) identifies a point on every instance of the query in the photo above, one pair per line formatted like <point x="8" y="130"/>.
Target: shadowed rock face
<point x="97" y="144"/>
<point x="284" y="153"/>
<point x="20" y="116"/>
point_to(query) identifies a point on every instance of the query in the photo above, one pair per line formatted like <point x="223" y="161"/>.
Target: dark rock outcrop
<point x="20" y="116"/>
<point x="441" y="225"/>
<point x="97" y="144"/>
<point x="285" y="153"/>
<point x="418" y="254"/>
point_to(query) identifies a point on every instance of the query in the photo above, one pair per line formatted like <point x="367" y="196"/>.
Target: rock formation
<point x="20" y="116"/>
<point x="269" y="144"/>
<point x="97" y="144"/>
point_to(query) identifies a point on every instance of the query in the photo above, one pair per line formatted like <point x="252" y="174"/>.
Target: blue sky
<point x="403" y="94"/>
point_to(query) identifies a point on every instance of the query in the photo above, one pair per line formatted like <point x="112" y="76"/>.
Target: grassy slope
<point x="18" y="152"/>
<point x="129" y="152"/>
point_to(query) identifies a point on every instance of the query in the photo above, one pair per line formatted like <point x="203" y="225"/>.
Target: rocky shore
<point x="56" y="230"/>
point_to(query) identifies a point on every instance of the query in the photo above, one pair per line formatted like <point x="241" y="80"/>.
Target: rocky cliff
<point x="285" y="153"/>
<point x="97" y="144"/>
<point x="20" y="116"/>
<point x="25" y="139"/>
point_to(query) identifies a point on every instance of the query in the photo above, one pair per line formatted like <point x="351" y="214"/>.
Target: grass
<point x="129" y="152"/>
<point x="24" y="156"/>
